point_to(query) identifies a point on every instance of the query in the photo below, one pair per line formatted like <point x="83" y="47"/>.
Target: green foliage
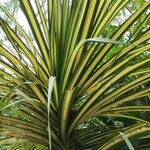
<point x="98" y="51"/>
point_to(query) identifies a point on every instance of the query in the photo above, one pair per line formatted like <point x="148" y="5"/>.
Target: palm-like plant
<point x="70" y="41"/>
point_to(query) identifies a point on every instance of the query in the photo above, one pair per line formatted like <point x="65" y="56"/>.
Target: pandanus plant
<point x="77" y="81"/>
